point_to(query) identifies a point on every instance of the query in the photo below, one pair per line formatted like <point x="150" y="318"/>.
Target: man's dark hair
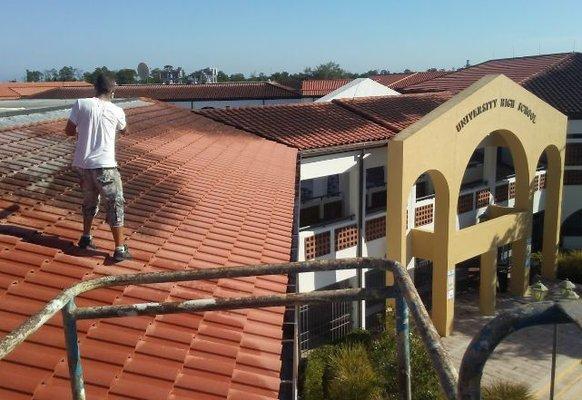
<point x="104" y="84"/>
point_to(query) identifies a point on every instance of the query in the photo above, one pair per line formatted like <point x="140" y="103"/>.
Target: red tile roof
<point x="304" y="126"/>
<point x="390" y="79"/>
<point x="414" y="79"/>
<point x="397" y="81"/>
<point x="214" y="91"/>
<point x="556" y="78"/>
<point x="396" y="112"/>
<point x="198" y="194"/>
<point x="340" y="122"/>
<point x="321" y="87"/>
<point x="16" y="90"/>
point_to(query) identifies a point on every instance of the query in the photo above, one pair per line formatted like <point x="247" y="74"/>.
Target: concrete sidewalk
<point x="524" y="356"/>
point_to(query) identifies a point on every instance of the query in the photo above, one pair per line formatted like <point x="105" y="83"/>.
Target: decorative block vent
<point x="346" y="237"/>
<point x="536" y="183"/>
<point x="573" y="177"/>
<point x="542" y="182"/>
<point x="423" y="215"/>
<point x="482" y="198"/>
<point x="512" y="190"/>
<point x="465" y="203"/>
<point x="375" y="228"/>
<point x="574" y="154"/>
<point x="501" y="193"/>
<point x="317" y="245"/>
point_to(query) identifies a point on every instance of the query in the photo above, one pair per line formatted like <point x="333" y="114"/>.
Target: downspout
<point x="295" y="281"/>
<point x="360" y="225"/>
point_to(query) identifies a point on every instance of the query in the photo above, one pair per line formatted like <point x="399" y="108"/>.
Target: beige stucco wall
<point x="441" y="145"/>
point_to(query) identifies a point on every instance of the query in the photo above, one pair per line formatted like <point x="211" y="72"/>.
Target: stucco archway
<point x="496" y="109"/>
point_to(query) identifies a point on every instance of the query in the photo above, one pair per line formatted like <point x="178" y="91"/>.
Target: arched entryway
<point x="495" y="113"/>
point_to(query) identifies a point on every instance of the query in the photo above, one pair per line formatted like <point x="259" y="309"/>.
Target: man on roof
<point x="96" y="122"/>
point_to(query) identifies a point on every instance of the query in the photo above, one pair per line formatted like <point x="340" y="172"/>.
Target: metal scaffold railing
<point x="404" y="293"/>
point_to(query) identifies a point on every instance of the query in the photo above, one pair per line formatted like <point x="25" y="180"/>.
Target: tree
<point x="222" y="77"/>
<point x="125" y="76"/>
<point x="143" y="71"/>
<point x="33" y="76"/>
<point x="236" y="77"/>
<point x="156" y="75"/>
<point x="51" y="75"/>
<point x="92" y="76"/>
<point x="407" y="71"/>
<point x="66" y="74"/>
<point x="330" y="70"/>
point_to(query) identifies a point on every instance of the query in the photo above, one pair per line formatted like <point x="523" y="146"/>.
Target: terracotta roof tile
<point x="396" y="81"/>
<point x="214" y="91"/>
<point x="184" y="175"/>
<point x="304" y="126"/>
<point x="320" y="125"/>
<point x="16" y="90"/>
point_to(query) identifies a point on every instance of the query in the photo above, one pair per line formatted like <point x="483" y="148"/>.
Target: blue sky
<point x="267" y="36"/>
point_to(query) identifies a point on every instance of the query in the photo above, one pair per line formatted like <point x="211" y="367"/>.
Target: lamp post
<point x="539" y="291"/>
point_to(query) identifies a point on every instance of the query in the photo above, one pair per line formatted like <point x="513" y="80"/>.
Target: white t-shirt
<point x="97" y="122"/>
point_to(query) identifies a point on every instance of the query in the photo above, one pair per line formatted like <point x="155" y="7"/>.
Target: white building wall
<point x="347" y="163"/>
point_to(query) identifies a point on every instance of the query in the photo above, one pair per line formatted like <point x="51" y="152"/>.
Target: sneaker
<point x="121" y="255"/>
<point x="86" y="243"/>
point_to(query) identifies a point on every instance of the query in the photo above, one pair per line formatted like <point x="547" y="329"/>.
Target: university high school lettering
<point x="476" y="112"/>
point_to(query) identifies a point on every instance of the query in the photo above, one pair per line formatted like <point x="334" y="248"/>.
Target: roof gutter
<point x="306" y="153"/>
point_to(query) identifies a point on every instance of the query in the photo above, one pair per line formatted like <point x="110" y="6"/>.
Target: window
<point x="306" y="190"/>
<point x="574" y="154"/>
<point x="321" y="200"/>
<point x="375" y="177"/>
<point x="333" y="185"/>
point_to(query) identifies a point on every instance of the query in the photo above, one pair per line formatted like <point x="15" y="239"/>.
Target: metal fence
<point x="406" y="298"/>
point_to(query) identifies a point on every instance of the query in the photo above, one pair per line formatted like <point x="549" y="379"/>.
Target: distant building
<point x="212" y="95"/>
<point x="312" y="89"/>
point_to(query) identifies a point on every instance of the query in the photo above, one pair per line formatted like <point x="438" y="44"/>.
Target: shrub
<point x="316" y="371"/>
<point x="570" y="266"/>
<point x="353" y="377"/>
<point x="507" y="391"/>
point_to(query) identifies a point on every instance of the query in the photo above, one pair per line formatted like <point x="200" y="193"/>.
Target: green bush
<point x="353" y="377"/>
<point x="329" y="370"/>
<point x="507" y="391"/>
<point x="316" y="372"/>
<point x="570" y="266"/>
<point x="425" y="384"/>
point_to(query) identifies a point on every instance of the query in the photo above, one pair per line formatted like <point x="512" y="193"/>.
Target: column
<point x="490" y="169"/>
<point x="488" y="282"/>
<point x="443" y="292"/>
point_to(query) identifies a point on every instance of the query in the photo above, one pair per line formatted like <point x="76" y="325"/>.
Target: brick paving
<point x="524" y="356"/>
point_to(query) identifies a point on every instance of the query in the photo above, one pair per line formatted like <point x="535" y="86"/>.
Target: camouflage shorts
<point x="106" y="183"/>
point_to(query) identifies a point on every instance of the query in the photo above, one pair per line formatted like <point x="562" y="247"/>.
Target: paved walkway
<point x="524" y="356"/>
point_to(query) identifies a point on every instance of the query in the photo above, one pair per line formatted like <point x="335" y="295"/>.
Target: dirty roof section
<point x="198" y="194"/>
<point x="304" y="126"/>
<point x="555" y="78"/>
<point x="211" y="91"/>
<point x="396" y="112"/>
<point x="342" y="122"/>
<point x="396" y="81"/>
